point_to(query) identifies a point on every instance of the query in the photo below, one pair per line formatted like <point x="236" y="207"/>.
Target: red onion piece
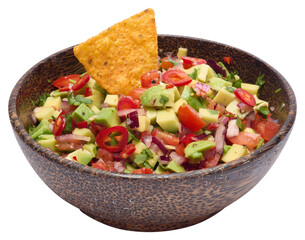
<point x="159" y="144"/>
<point x="177" y="158"/>
<point x="132" y="119"/>
<point x="233" y="129"/>
<point x="123" y="113"/>
<point x="218" y="69"/>
<point x="165" y="160"/>
<point x="249" y="119"/>
<point x="147" y="139"/>
<point x="201" y="136"/>
<point x="66" y="146"/>
<point x="245" y="107"/>
<point x="203" y="87"/>
<point x="119" y="166"/>
<point x="72" y="138"/>
<point x="220" y="138"/>
<point x="223" y="120"/>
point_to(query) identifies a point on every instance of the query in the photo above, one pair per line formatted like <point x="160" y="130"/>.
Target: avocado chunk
<point x="224" y="97"/>
<point x="151" y="114"/>
<point x="97" y="99"/>
<point x="182" y="52"/>
<point x="168" y="120"/>
<point x="174" y="167"/>
<point x="82" y="156"/>
<point x="191" y="98"/>
<point x="57" y="93"/>
<point x="112" y="100"/>
<point x="218" y="83"/>
<point x="54" y="102"/>
<point x="86" y="132"/>
<point x="236" y="151"/>
<point x="44" y="113"/>
<point x="195" y="150"/>
<point x="208" y="116"/>
<point x="204" y="72"/>
<point x="90" y="147"/>
<point x="47" y="141"/>
<point x="144" y="124"/>
<point x="82" y="113"/>
<point x="108" y="117"/>
<point x="157" y="96"/>
<point x="42" y="128"/>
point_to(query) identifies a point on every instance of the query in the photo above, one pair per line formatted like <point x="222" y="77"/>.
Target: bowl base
<point x="147" y="228"/>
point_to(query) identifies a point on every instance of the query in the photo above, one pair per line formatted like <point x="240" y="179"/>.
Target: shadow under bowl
<point x="152" y="202"/>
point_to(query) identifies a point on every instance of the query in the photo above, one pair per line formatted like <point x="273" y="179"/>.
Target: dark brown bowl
<point x="152" y="202"/>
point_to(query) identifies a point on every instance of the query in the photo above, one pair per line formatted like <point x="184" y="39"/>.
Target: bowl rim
<point x="51" y="156"/>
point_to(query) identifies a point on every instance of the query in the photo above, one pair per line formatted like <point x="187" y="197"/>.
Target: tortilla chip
<point x="117" y="57"/>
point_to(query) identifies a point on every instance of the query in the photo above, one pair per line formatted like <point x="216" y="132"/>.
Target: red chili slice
<point x="59" y="124"/>
<point x="103" y="138"/>
<point x="128" y="150"/>
<point x="81" y="82"/>
<point x="245" y="96"/>
<point x="64" y="81"/>
<point x="176" y="77"/>
<point x="228" y="60"/>
<point x="83" y="124"/>
<point x="126" y="103"/>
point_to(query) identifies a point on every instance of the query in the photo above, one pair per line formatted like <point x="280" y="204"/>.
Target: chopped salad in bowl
<point x="190" y="114"/>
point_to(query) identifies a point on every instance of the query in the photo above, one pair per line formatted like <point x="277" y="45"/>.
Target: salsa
<point x="190" y="114"/>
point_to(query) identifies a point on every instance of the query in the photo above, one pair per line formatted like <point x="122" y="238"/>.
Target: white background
<point x="271" y="30"/>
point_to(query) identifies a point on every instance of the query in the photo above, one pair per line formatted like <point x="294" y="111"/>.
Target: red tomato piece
<point x="64" y="89"/>
<point x="176" y="77"/>
<point x="211" y="162"/>
<point x="88" y="92"/>
<point x="102" y="138"/>
<point x="165" y="63"/>
<point x="188" y="139"/>
<point x="127" y="151"/>
<point x="150" y="79"/>
<point x="64" y="81"/>
<point x="212" y="126"/>
<point x="59" y="124"/>
<point x="126" y="103"/>
<point x="249" y="139"/>
<point x="143" y="170"/>
<point x="189" y="118"/>
<point x="81" y="82"/>
<point x="96" y="127"/>
<point x="105" y="155"/>
<point x="191" y="61"/>
<point x="180" y="149"/>
<point x="136" y="93"/>
<point x="167" y="138"/>
<point x="83" y="124"/>
<point x="245" y="96"/>
<point x="267" y="129"/>
<point x="228" y="60"/>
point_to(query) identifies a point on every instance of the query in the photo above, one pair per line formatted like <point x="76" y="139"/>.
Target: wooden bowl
<point x="152" y="202"/>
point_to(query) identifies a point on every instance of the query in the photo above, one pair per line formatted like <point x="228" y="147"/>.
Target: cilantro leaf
<point x="163" y="100"/>
<point x="194" y="74"/>
<point x="263" y="111"/>
<point x="68" y="126"/>
<point x="237" y="83"/>
<point x="259" y="81"/>
<point x="78" y="100"/>
<point x="143" y="156"/>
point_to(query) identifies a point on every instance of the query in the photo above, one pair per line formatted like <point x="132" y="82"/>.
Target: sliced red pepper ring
<point x="64" y="81"/>
<point x="176" y="77"/>
<point x="81" y="82"/>
<point x="59" y="124"/>
<point x="245" y="96"/>
<point x="103" y="138"/>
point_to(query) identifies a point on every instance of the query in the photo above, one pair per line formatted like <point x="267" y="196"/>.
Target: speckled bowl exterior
<point x="152" y="202"/>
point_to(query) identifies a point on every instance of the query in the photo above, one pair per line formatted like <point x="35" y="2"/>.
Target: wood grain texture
<point x="152" y="202"/>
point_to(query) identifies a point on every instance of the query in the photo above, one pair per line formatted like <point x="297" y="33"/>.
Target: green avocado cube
<point x="42" y="128"/>
<point x="224" y="97"/>
<point x="236" y="151"/>
<point x="151" y="114"/>
<point x="168" y="120"/>
<point x="108" y="117"/>
<point x="191" y="98"/>
<point x="208" y="116"/>
<point x="195" y="150"/>
<point x="158" y="96"/>
<point x="218" y="83"/>
<point x="86" y="132"/>
<point x="173" y="166"/>
<point x="82" y="156"/>
<point x="47" y="141"/>
<point x="97" y="99"/>
<point x="82" y="113"/>
<point x="90" y="147"/>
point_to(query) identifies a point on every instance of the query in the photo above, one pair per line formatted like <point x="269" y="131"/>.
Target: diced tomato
<point x="59" y="124"/>
<point x="211" y="104"/>
<point x="228" y="60"/>
<point x="88" y="92"/>
<point x="188" y="62"/>
<point x="212" y="126"/>
<point x="64" y="89"/>
<point x="126" y="103"/>
<point x="81" y="82"/>
<point x="176" y="77"/>
<point x="267" y="129"/>
<point x="102" y="138"/>
<point x="64" y="81"/>
<point x="150" y="79"/>
<point x="143" y="170"/>
<point x="136" y="93"/>
<point x="127" y="151"/>
<point x="189" y="118"/>
<point x="211" y="162"/>
<point x="165" y="63"/>
<point x="96" y="127"/>
<point x="105" y="155"/>
<point x="180" y="149"/>
<point x="249" y="139"/>
<point x="100" y="164"/>
<point x="188" y="139"/>
<point x="245" y="96"/>
<point x="167" y="138"/>
<point x="83" y="124"/>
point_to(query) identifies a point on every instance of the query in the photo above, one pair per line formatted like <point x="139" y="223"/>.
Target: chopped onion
<point x="165" y="160"/>
<point x="177" y="158"/>
<point x="245" y="107"/>
<point x="72" y="138"/>
<point x="118" y="166"/>
<point x="147" y="139"/>
<point x="233" y="129"/>
<point x="218" y="69"/>
<point x="132" y="119"/>
<point x="203" y="87"/>
<point x="220" y="138"/>
<point x="105" y="105"/>
<point x="159" y="144"/>
<point x="68" y="146"/>
<point x="223" y="120"/>
<point x="250" y="118"/>
<point x="201" y="136"/>
<point x="123" y="113"/>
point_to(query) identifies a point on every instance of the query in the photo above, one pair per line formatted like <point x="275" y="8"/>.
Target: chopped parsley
<point x="78" y="100"/>
<point x="240" y="125"/>
<point x="143" y="156"/>
<point x="163" y="100"/>
<point x="277" y="90"/>
<point x="230" y="89"/>
<point x="237" y="83"/>
<point x="261" y="142"/>
<point x="263" y="111"/>
<point x="259" y="81"/>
